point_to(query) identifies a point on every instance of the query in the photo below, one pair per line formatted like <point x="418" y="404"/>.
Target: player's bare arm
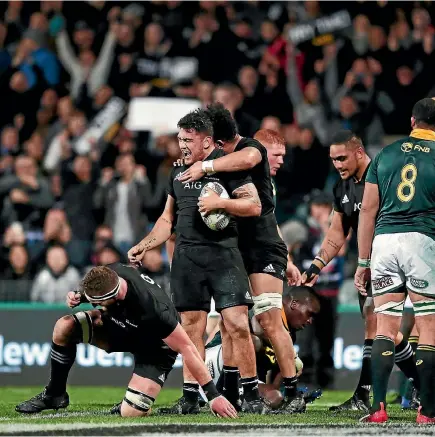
<point x="366" y="231"/>
<point x="245" y="204"/>
<point x="244" y="159"/>
<point x="181" y="343"/>
<point x="160" y="233"/>
<point x="333" y="242"/>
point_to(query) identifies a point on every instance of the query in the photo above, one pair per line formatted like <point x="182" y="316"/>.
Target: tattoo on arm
<point x="333" y="244"/>
<point x="166" y="221"/>
<point x="148" y="244"/>
<point x="324" y="255"/>
<point x="248" y="192"/>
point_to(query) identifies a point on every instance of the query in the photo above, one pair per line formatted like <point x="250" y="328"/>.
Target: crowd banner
<point x="158" y="115"/>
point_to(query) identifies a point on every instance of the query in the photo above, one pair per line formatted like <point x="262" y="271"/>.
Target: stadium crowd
<point x="61" y="63"/>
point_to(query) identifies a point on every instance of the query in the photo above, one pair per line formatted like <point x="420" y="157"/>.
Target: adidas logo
<point x="162" y="377"/>
<point x="387" y="353"/>
<point x="345" y="199"/>
<point x="269" y="269"/>
<point x="247" y="295"/>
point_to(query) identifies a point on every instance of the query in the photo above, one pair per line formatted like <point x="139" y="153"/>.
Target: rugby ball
<point x="216" y="220"/>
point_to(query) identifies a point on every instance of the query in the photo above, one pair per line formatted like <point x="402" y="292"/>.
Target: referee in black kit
<point x="352" y="162"/>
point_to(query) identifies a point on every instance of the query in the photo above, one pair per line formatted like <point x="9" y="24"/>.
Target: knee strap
<point x="138" y="400"/>
<point x="265" y="302"/>
<point x="391" y="308"/>
<point x="424" y="308"/>
<point x="84" y="321"/>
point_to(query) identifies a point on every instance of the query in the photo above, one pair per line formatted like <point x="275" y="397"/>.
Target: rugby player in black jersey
<point x="264" y="252"/>
<point x="352" y="162"/>
<point x="136" y="316"/>
<point x="207" y="263"/>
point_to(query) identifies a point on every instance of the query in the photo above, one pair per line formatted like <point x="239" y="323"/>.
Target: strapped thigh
<point x="266" y="302"/>
<point x="138" y="400"/>
<point x="391" y="308"/>
<point x="424" y="308"/>
<point x="84" y="321"/>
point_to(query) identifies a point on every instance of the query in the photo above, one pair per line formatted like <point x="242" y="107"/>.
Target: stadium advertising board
<point x="25" y="342"/>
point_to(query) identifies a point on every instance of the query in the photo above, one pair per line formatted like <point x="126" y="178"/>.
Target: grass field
<point x="88" y="413"/>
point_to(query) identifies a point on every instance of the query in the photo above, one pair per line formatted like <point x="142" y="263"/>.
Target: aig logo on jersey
<point x="192" y="185"/>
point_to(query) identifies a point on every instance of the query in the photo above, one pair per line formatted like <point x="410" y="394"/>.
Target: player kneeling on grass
<point x="136" y="316"/>
<point x="300" y="305"/>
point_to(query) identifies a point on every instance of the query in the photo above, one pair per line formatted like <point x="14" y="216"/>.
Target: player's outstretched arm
<point x="246" y="203"/>
<point x="180" y="342"/>
<point x="366" y="230"/>
<point x="331" y="245"/>
<point x="160" y="233"/>
<point x="244" y="159"/>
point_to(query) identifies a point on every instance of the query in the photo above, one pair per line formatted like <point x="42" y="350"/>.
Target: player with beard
<point x="352" y="162"/>
<point x="136" y="316"/>
<point x="263" y="250"/>
<point x="207" y="263"/>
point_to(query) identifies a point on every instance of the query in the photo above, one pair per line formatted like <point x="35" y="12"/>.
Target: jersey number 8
<point x="407" y="182"/>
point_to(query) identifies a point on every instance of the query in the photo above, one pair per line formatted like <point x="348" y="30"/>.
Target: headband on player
<point x="111" y="294"/>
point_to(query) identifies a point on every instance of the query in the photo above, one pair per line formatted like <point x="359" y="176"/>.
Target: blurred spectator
<point x="54" y="281"/>
<point x="123" y="198"/>
<point x="26" y="195"/>
<point x="79" y="182"/>
<point x="14" y="235"/>
<point x="88" y="72"/>
<point x="17" y="278"/>
<point x="156" y="269"/>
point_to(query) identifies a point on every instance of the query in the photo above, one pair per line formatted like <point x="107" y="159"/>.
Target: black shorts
<point x="268" y="257"/>
<point x="152" y="361"/>
<point x="199" y="273"/>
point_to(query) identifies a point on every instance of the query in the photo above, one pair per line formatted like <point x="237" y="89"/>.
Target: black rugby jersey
<point x="146" y="313"/>
<point x="190" y="228"/>
<point x="348" y="197"/>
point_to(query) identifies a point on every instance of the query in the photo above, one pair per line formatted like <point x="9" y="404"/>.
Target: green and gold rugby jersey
<point x="405" y="174"/>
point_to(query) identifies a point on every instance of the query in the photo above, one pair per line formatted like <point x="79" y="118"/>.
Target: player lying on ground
<point x="398" y="210"/>
<point x="300" y="305"/>
<point x="352" y="162"/>
<point x="135" y="316"/>
<point x="263" y="250"/>
<point x="207" y="263"/>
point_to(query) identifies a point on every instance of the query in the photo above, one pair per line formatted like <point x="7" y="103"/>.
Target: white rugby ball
<point x="216" y="220"/>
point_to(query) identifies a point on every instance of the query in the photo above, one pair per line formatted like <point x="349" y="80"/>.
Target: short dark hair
<point x="99" y="281"/>
<point x="347" y="138"/>
<point x="424" y="111"/>
<point x="224" y="125"/>
<point x="198" y="121"/>
<point x="300" y="293"/>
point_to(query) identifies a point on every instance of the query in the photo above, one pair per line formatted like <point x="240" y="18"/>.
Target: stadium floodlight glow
<point x="111" y="294"/>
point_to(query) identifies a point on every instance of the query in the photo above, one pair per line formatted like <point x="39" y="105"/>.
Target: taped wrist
<point x="210" y="391"/>
<point x="207" y="167"/>
<point x="312" y="271"/>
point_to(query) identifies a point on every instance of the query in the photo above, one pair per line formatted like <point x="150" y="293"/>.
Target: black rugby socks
<point x="365" y="378"/>
<point x="382" y="365"/>
<point x="290" y="387"/>
<point x="231" y="383"/>
<point x="191" y="392"/>
<point x="425" y="356"/>
<point x="62" y="359"/>
<point x="405" y="361"/>
<point x="250" y="389"/>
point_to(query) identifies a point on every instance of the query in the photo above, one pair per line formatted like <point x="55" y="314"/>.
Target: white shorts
<point x="403" y="259"/>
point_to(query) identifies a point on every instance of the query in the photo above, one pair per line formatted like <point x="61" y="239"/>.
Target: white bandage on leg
<point x="83" y="319"/>
<point x="138" y="400"/>
<point x="424" y="308"/>
<point x="391" y="308"/>
<point x="266" y="301"/>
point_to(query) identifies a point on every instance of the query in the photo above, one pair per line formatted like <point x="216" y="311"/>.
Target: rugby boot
<point x="291" y="406"/>
<point x="182" y="406"/>
<point x="43" y="401"/>
<point x="379" y="416"/>
<point x="309" y="396"/>
<point x="116" y="409"/>
<point x="355" y="403"/>
<point x="254" y="407"/>
<point x="421" y="419"/>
